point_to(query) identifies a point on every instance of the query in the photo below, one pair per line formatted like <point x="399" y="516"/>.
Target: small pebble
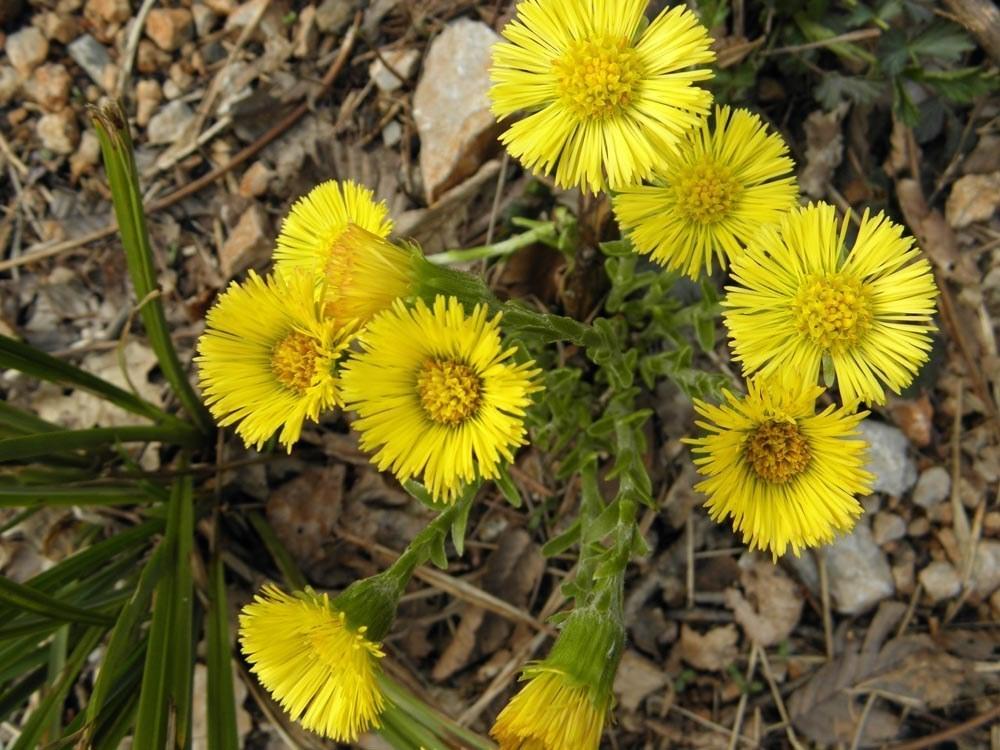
<point x="918" y="527"/>
<point x="59" y="132"/>
<point x="27" y="49"/>
<point x="10" y="84"/>
<point x="50" y="86"/>
<point x="932" y="487"/>
<point x="940" y="580"/>
<point x="888" y="527"/>
<point x="169" y="28"/>
<point x="168" y="124"/>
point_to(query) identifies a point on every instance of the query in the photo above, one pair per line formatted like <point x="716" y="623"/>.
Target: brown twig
<point x="951" y="733"/>
<point x="207" y="179"/>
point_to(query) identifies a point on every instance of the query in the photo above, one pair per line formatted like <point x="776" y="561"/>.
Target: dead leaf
<point x="512" y="572"/>
<point x="80" y="410"/>
<point x="824" y="150"/>
<point x="935" y="236"/>
<point x="773" y="605"/>
<point x="711" y="652"/>
<point x="636" y="678"/>
<point x="304" y="511"/>
<point x="911" y="669"/>
<point x="973" y="198"/>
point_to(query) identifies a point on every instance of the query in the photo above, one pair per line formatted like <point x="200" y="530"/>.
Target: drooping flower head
<point x="606" y="98"/>
<point x="266" y="359"/>
<point x="803" y="294"/>
<point x="713" y="193"/>
<point x="786" y="475"/>
<point x="309" y="234"/>
<point x="319" y="664"/>
<point x="366" y="273"/>
<point x="437" y="394"/>
<point x="566" y="698"/>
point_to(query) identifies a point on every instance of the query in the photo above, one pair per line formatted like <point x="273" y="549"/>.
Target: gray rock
<point x="858" y="572"/>
<point x="90" y="55"/>
<point x="932" y="487"/>
<point x="167" y="125"/>
<point x="986" y="569"/>
<point x="894" y="470"/>
<point x="451" y="105"/>
<point x="27" y="49"/>
<point x="402" y="61"/>
<point x="59" y="132"/>
<point x="332" y="16"/>
<point x="10" y="84"/>
<point x="940" y="580"/>
<point x="888" y="527"/>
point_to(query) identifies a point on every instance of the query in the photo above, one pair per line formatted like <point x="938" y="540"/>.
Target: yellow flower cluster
<point x="611" y="102"/>
<point x="341" y="322"/>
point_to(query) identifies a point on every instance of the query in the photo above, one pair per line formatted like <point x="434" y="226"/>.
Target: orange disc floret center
<point x="706" y="193"/>
<point x="293" y="361"/>
<point x="596" y="78"/>
<point x="450" y="391"/>
<point x="777" y="451"/>
<point x="833" y="310"/>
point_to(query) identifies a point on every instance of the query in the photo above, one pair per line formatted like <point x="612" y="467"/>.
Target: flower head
<point x="319" y="665"/>
<point x="266" y="359"/>
<point x="606" y="99"/>
<point x="719" y="186"/>
<point x="366" y="273"/>
<point x="437" y="394"/>
<point x="786" y="475"/>
<point x="567" y="697"/>
<point x="309" y="233"/>
<point x="803" y="294"/>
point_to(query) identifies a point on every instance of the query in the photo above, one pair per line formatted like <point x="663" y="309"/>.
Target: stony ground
<point x="889" y="636"/>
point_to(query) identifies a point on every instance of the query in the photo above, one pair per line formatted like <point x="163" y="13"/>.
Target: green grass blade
<point x="57" y="663"/>
<point x="159" y="684"/>
<point x="407" y="710"/>
<point x="25" y="662"/>
<point x="119" y="162"/>
<point x="32" y="361"/>
<point x="221" y="706"/>
<point x="182" y="630"/>
<point x="18" y="694"/>
<point x="42" y="716"/>
<point x="121" y="644"/>
<point x="30" y="600"/>
<point x="282" y="558"/>
<point x="82" y="494"/>
<point x="94" y="557"/>
<point x="30" y="446"/>
<point x="23" y="422"/>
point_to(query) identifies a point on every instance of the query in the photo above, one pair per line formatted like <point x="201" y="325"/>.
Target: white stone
<point x="27" y="49"/>
<point x="10" y="84"/>
<point x="451" y="105"/>
<point x="940" y="580"/>
<point x="858" y="572"/>
<point x="403" y="61"/>
<point x="59" y="132"/>
<point x="933" y="486"/>
<point x="90" y="55"/>
<point x="167" y="125"/>
<point x="986" y="568"/>
<point x="894" y="470"/>
<point x="888" y="527"/>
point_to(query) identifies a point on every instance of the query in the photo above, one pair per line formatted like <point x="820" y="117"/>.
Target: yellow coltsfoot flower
<point x="712" y="194"/>
<point x="316" y="221"/>
<point x="804" y="295"/>
<point x="366" y="273"/>
<point x="437" y="395"/>
<point x="786" y="475"/>
<point x="321" y="668"/>
<point x="566" y="697"/>
<point x="606" y="97"/>
<point x="266" y="359"/>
